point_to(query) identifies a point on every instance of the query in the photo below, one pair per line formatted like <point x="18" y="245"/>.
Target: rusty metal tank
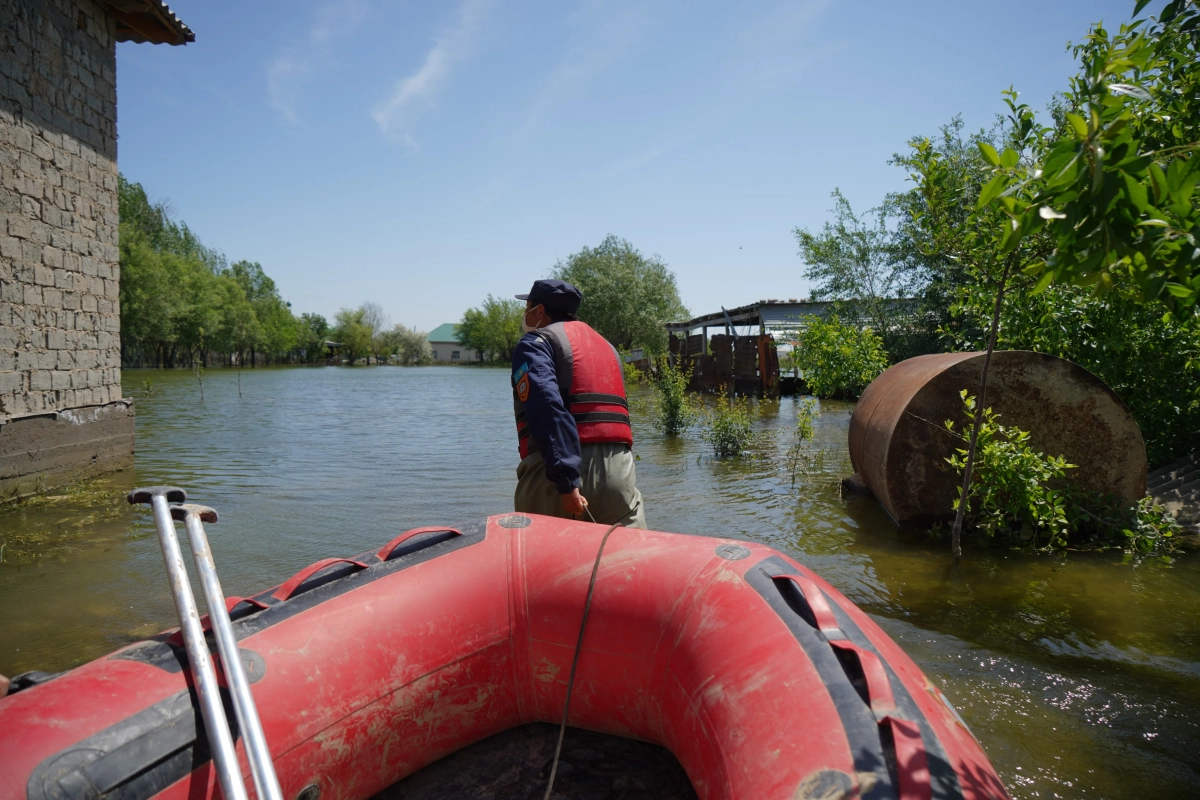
<point x="899" y="443"/>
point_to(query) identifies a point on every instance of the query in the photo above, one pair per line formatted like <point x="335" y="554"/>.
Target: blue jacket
<point x="550" y="424"/>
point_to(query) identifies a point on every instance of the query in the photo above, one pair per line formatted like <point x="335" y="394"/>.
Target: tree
<point x="1115" y="203"/>
<point x="855" y="261"/>
<point x="240" y="329"/>
<point x="408" y="345"/>
<point x="182" y="302"/>
<point x="313" y="332"/>
<point x="353" y="333"/>
<point x="279" y="333"/>
<point x="494" y="329"/>
<point x="627" y="297"/>
<point x="375" y="318"/>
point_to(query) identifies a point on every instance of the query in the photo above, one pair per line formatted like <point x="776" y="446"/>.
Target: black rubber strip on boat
<point x="327" y="584"/>
<point x="943" y="780"/>
<point x="862" y="731"/>
<point x="133" y="759"/>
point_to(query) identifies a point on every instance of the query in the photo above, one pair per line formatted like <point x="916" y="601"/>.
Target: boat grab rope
<point x="587" y="607"/>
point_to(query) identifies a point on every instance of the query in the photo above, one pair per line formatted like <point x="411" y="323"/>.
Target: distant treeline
<point x="182" y="303"/>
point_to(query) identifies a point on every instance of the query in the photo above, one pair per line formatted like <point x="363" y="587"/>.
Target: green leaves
<point x="1010" y="488"/>
<point x="838" y="360"/>
<point x="676" y="409"/>
<point x="1115" y="205"/>
<point x="627" y="297"/>
<point x="1078" y="125"/>
<point x="729" y="427"/>
<point x="181" y="300"/>
<point x="493" y="329"/>
<point x="989" y="153"/>
<point x="1022" y="496"/>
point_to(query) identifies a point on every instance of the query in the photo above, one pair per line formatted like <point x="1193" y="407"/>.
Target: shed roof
<point x="770" y="313"/>
<point x="147" y="21"/>
<point x="444" y="333"/>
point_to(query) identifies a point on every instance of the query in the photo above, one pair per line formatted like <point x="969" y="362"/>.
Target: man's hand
<point x="574" y="503"/>
<point x="3" y="686"/>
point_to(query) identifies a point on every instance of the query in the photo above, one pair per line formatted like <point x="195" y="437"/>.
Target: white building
<point x="445" y="348"/>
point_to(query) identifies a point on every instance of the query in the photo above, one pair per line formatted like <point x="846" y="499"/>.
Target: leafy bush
<point x="632" y="373"/>
<point x="676" y="409"/>
<point x="1019" y="493"/>
<point x="838" y="360"/>
<point x="730" y="427"/>
<point x="1009" y="482"/>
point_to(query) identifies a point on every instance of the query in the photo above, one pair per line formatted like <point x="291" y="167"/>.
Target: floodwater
<point x="1078" y="672"/>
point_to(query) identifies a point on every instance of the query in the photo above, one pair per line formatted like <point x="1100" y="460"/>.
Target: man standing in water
<point x="572" y="415"/>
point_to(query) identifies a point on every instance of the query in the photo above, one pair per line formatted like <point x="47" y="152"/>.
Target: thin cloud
<point x="394" y="114"/>
<point x="603" y="35"/>
<point x="292" y="68"/>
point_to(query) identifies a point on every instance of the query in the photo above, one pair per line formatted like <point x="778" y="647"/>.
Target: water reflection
<point x="1076" y="671"/>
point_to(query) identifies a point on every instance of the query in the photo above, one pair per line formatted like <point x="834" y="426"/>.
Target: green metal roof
<point x="443" y="333"/>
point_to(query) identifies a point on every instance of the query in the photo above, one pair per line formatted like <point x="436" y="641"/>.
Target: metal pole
<point x="204" y="678"/>
<point x="266" y="784"/>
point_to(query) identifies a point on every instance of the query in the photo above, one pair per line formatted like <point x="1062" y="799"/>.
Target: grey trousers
<point x="609" y="483"/>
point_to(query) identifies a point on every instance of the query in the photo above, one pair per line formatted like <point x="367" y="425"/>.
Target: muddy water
<point x="1079" y="673"/>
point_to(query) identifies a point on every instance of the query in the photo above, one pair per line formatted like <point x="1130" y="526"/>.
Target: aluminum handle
<point x="203" y="676"/>
<point x="266" y="783"/>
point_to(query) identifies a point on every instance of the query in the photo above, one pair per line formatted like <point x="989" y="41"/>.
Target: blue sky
<point x="422" y="155"/>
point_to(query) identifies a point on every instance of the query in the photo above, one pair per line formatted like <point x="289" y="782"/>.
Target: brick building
<point x="62" y="416"/>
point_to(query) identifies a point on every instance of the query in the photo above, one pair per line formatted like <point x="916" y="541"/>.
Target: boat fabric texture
<point x="568" y="390"/>
<point x="608" y="479"/>
<point x="762" y="679"/>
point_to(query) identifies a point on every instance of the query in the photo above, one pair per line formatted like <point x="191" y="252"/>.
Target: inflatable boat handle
<point x="826" y="622"/>
<point x="912" y="765"/>
<point x="288" y="589"/>
<point x="176" y="638"/>
<point x="230" y="602"/>
<point x="879" y="688"/>
<point x="385" y="552"/>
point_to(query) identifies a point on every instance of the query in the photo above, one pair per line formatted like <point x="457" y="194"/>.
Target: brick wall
<point x="59" y="313"/>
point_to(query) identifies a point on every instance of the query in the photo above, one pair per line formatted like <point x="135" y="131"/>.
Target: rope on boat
<point x="587" y="608"/>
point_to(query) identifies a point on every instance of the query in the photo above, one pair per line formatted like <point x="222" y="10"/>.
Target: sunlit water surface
<point x="1078" y="672"/>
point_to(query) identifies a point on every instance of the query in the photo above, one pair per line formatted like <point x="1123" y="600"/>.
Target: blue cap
<point x="555" y="295"/>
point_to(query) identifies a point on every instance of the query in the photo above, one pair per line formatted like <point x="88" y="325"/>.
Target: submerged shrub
<point x="798" y="457"/>
<point x="838" y="360"/>
<point x="1021" y="494"/>
<point x="632" y="373"/>
<point x="730" y="427"/>
<point x="1010" y="481"/>
<point x="676" y="409"/>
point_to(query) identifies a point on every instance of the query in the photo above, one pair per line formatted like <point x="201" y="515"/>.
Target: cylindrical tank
<point x="899" y="442"/>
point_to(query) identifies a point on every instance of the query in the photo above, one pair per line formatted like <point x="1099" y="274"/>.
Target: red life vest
<point x="592" y="381"/>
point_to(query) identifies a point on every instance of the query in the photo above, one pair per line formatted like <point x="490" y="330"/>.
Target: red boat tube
<point x="762" y="679"/>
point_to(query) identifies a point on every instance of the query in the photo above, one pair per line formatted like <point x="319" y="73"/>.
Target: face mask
<point x="525" y="326"/>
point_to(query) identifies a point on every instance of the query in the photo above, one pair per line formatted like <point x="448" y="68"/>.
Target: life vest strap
<point x="587" y="416"/>
<point x="601" y="416"/>
<point x="598" y="397"/>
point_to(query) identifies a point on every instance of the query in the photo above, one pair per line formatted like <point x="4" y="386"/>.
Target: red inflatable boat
<point x="761" y="678"/>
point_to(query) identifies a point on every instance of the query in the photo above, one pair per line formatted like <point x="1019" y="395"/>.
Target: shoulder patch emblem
<point x="523" y="388"/>
<point x="519" y="371"/>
